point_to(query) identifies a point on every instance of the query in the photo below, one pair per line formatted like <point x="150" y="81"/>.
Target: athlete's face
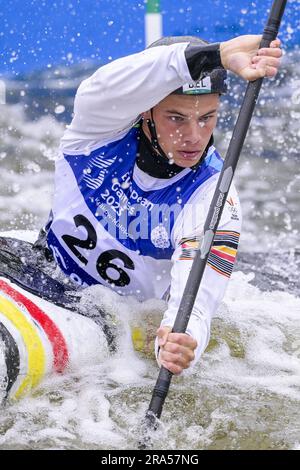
<point x="184" y="125"/>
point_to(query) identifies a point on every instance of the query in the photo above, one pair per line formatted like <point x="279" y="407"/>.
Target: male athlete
<point x="136" y="175"/>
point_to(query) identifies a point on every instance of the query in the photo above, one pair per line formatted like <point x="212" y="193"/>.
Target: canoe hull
<point x="38" y="338"/>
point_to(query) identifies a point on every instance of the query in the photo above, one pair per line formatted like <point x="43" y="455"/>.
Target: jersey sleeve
<point x="188" y="235"/>
<point x="110" y="102"/>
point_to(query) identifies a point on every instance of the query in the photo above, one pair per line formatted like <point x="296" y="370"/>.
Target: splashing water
<point x="245" y="391"/>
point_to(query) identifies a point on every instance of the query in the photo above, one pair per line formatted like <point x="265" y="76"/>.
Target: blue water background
<point x="40" y="34"/>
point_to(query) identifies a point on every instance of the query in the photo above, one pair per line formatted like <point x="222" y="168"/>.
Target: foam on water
<point x="27" y="153"/>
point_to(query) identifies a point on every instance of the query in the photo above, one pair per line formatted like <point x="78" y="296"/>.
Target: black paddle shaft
<point x="215" y="211"/>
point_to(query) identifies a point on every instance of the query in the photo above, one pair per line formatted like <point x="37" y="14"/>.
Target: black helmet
<point x="210" y="81"/>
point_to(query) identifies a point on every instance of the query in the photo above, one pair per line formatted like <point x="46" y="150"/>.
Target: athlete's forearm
<point x="113" y="98"/>
<point x="218" y="271"/>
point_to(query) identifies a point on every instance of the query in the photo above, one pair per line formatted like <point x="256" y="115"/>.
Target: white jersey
<point x="116" y="225"/>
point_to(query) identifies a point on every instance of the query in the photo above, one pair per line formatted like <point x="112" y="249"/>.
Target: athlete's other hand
<point x="242" y="56"/>
<point x="176" y="349"/>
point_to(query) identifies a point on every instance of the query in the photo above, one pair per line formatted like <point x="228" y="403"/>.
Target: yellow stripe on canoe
<point x="33" y="343"/>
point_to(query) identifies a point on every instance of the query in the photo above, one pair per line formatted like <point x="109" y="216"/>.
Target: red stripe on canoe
<point x="59" y="345"/>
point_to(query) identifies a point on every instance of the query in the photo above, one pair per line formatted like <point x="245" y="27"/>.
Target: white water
<point x="243" y="394"/>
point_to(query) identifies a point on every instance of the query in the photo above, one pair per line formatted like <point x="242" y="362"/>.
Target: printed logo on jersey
<point x="96" y="170"/>
<point x="160" y="237"/>
<point x="233" y="208"/>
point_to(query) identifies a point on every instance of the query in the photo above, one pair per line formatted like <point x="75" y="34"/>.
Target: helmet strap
<point x="154" y="138"/>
